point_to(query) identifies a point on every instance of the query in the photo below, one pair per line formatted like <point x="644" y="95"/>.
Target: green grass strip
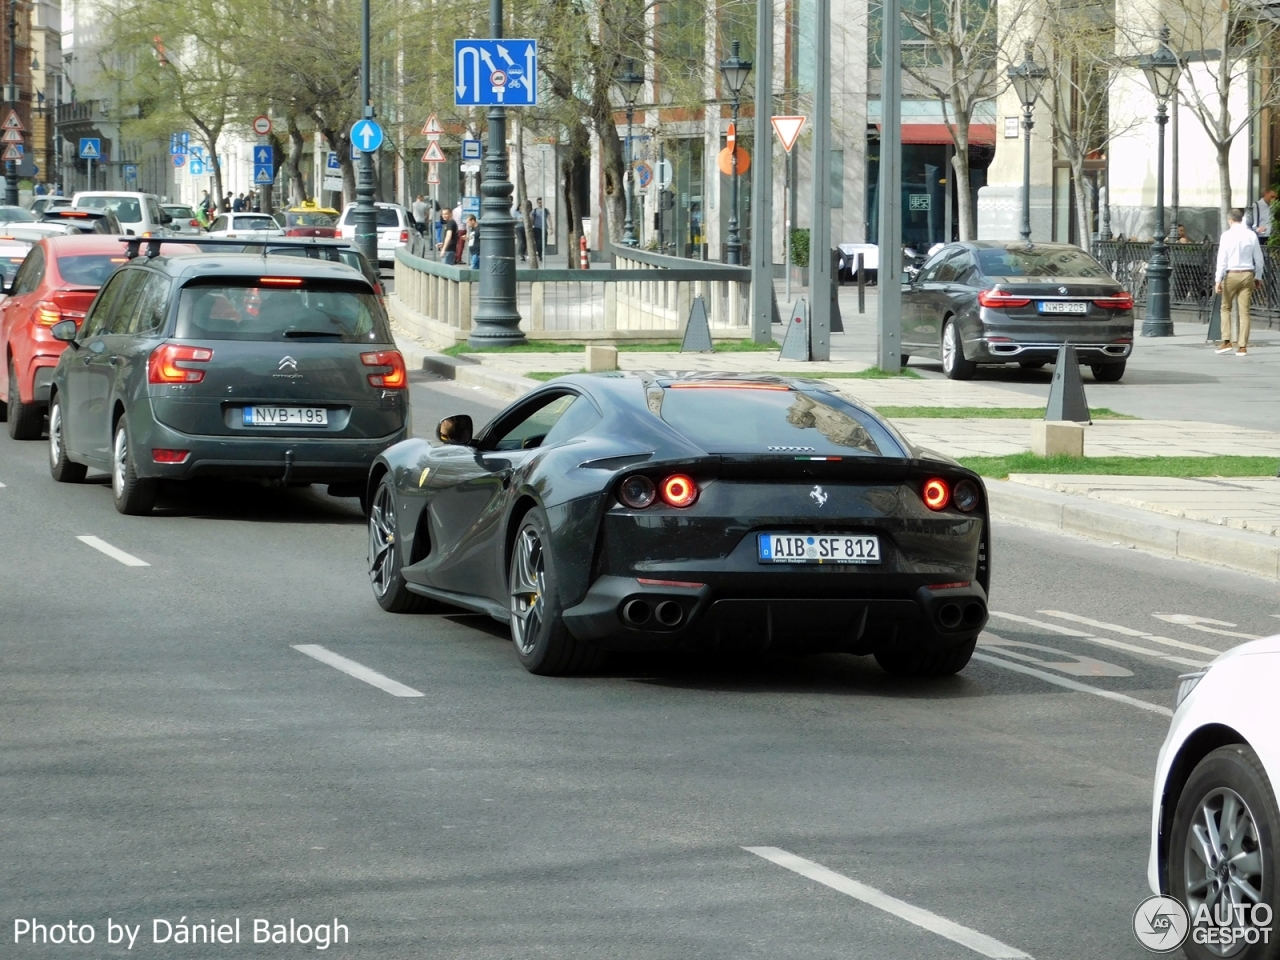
<point x="987" y="413"/>
<point x="1125" y="466"/>
<point x="562" y="346"/>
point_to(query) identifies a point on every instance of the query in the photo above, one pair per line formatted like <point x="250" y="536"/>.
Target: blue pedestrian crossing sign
<point x="90" y="148"/>
<point x="366" y="136"/>
<point x="263" y="175"/>
<point x="264" y="156"/>
<point x="488" y="72"/>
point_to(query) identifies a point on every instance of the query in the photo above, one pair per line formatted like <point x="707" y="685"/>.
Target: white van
<point x="139" y="213"/>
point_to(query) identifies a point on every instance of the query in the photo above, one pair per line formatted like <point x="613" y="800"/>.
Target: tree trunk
<point x="570" y="167"/>
<point x="614" y="166"/>
<point x="1084" y="226"/>
<point x="522" y="190"/>
<point x="296" y="183"/>
<point x="1224" y="183"/>
<point x="964" y="199"/>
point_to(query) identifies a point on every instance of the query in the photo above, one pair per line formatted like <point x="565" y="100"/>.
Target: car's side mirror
<point x="166" y="219"/>
<point x="64" y="330"/>
<point x="6" y="287"/>
<point x="455" y="430"/>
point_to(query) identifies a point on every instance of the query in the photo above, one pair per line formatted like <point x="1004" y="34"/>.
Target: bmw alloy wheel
<point x="949" y="347"/>
<point x="528" y="590"/>
<point x="1223" y="861"/>
<point x="55" y="434"/>
<point x="119" y="461"/>
<point x="382" y="539"/>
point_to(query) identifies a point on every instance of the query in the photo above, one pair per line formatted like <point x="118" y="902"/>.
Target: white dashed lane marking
<point x="925" y="919"/>
<point x="1204" y="625"/>
<point x="357" y="670"/>
<point x="115" y="553"/>
<point x="1130" y="632"/>
<point x="1158" y="655"/>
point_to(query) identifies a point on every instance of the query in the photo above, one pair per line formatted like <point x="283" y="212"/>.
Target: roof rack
<point x="133" y="245"/>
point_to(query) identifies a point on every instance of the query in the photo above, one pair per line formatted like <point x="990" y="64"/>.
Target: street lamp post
<point x="734" y="70"/>
<point x="11" y="97"/>
<point x="1162" y="69"/>
<point x="1027" y="78"/>
<point x="365" y="215"/>
<point x="630" y="83"/>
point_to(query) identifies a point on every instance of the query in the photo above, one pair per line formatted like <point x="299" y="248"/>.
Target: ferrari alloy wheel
<point x="133" y="495"/>
<point x="62" y="469"/>
<point x="24" y="418"/>
<point x="542" y="643"/>
<point x="389" y="587"/>
<point x="954" y="364"/>
<point x="1220" y="855"/>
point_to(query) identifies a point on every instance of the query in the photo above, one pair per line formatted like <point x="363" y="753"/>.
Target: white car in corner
<point x="1215" y="826"/>
<point x="394" y="225"/>
<point x="245" y="226"/>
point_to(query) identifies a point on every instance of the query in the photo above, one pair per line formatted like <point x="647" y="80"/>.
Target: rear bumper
<point x="624" y="613"/>
<point x="1003" y="351"/>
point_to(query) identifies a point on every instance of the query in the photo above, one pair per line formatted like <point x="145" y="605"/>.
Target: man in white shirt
<point x="1239" y="272"/>
<point x="1261" y="211"/>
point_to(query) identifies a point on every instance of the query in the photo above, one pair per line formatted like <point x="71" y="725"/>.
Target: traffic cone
<point x="697" y="332"/>
<point x="1066" y="395"/>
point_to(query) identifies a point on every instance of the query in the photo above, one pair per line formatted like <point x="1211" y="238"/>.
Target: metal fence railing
<point x="1191" y="283"/>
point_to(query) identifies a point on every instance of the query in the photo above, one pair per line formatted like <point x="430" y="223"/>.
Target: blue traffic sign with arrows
<point x="366" y="136"/>
<point x="501" y="72"/>
<point x="264" y="156"/>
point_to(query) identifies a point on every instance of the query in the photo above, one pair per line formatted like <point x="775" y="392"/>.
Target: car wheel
<point x="25" y="419"/>
<point x="903" y="358"/>
<point x="133" y="495"/>
<point x="1032" y="364"/>
<point x="1222" y="847"/>
<point x="1108" y="372"/>
<point x="389" y="587"/>
<point x="543" y="644"/>
<point x="954" y="364"/>
<point x="62" y="469"/>
<point x="926" y="661"/>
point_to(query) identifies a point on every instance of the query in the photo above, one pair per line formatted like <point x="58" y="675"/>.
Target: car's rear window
<point x="333" y="254"/>
<point x="9" y="264"/>
<point x="16" y="215"/>
<point x="90" y="269"/>
<point x="772" y="419"/>
<point x="388" y="217"/>
<point x="182" y="213"/>
<point x="308" y="219"/>
<point x="125" y="208"/>
<point x="252" y="223"/>
<point x="249" y="309"/>
<point x="1040" y="263"/>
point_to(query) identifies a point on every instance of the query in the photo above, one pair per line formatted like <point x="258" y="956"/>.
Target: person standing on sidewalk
<point x="1238" y="274"/>
<point x="1262" y="214"/>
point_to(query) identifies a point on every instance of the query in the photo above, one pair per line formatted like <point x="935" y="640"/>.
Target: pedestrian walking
<point x="1261" y="211"/>
<point x="473" y="242"/>
<point x="206" y="203"/>
<point x="225" y="206"/>
<point x="420" y="213"/>
<point x="448" y="237"/>
<point x="539" y="229"/>
<point x="1238" y="274"/>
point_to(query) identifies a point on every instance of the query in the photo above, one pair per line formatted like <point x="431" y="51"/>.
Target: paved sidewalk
<point x="1104" y="438"/>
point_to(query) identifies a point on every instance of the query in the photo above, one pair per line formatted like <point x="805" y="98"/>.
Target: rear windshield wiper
<point x="313" y="333"/>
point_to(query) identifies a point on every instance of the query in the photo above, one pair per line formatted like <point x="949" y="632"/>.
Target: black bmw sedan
<point x="626" y="512"/>
<point x="984" y="303"/>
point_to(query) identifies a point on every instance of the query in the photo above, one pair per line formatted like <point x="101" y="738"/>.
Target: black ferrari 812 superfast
<point x="712" y="511"/>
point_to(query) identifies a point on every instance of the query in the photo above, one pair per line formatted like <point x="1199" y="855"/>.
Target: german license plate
<point x="817" y="548"/>
<point x="1063" y="306"/>
<point x="286" y="417"/>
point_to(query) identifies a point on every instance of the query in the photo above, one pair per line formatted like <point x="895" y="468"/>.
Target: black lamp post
<point x="1027" y="78"/>
<point x="1162" y="69"/>
<point x="364" y="216"/>
<point x="734" y="70"/>
<point x="630" y="83"/>
<point x="11" y="97"/>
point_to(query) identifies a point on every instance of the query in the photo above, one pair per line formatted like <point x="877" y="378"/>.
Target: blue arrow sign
<point x="470" y="150"/>
<point x="489" y="72"/>
<point x="366" y="136"/>
<point x="264" y="156"/>
<point x="90" y="148"/>
<point x="178" y="143"/>
<point x="263" y="174"/>
<point x="195" y="167"/>
<point x="331" y="163"/>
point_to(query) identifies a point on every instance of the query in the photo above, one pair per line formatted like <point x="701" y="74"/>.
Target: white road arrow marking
<point x="1074" y="665"/>
<point x="1158" y="655"/>
<point x="1203" y="624"/>
<point x="1074" y="684"/>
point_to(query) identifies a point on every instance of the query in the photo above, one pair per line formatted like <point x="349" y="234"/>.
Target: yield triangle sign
<point x="788" y="130"/>
<point x="12" y="152"/>
<point x="433" y="174"/>
<point x="433" y="153"/>
<point x="12" y="122"/>
<point x="11" y="136"/>
<point x="432" y="126"/>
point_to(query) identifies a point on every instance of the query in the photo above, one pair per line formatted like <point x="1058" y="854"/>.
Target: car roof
<point x="187" y="265"/>
<point x="1017" y="245"/>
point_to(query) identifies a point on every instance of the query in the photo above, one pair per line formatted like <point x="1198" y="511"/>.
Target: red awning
<point x="940" y="133"/>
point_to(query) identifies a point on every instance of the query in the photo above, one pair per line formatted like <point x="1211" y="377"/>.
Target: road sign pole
<point x="762" y="182"/>
<point x="365" y="218"/>
<point x="820" y="209"/>
<point x="497" y="321"/>
<point x="889" y="283"/>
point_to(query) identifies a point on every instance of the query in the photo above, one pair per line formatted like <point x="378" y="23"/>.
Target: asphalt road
<point x="167" y="753"/>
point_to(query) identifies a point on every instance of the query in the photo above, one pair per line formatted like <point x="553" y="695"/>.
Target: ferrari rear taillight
<point x="679" y="490"/>
<point x="637" y="491"/>
<point x="998" y="300"/>
<point x="935" y="493"/>
<point x="167" y="363"/>
<point x="1121" y="301"/>
<point x="396" y="377"/>
<point x="965" y="496"/>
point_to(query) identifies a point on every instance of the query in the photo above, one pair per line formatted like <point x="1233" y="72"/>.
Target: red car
<point x="57" y="281"/>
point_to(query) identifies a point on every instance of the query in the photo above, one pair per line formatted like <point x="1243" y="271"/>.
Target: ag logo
<point x="1161" y="924"/>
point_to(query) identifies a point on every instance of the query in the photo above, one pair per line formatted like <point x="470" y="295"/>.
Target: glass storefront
<point x="927" y="192"/>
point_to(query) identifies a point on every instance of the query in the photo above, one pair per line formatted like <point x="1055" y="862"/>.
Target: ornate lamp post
<point x="12" y="97"/>
<point x="1162" y="69"/>
<point x="365" y="215"/>
<point x="1027" y="78"/>
<point x="630" y="83"/>
<point x="734" y="70"/>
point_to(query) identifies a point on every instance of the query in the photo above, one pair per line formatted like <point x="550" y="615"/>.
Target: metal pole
<point x="889" y="291"/>
<point x="786" y="230"/>
<point x="11" y="168"/>
<point x="1026" y="172"/>
<point x="365" y="218"/>
<point x="1157" y="322"/>
<point x="733" y="249"/>
<point x="542" y="250"/>
<point x="762" y="181"/>
<point x="820" y="208"/>
<point x="629" y="224"/>
<point x="497" y="321"/>
<point x="1174" y="216"/>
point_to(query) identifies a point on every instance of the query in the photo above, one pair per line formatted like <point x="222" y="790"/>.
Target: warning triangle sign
<point x="12" y="152"/>
<point x="432" y="127"/>
<point x="433" y="174"/>
<point x="788" y="130"/>
<point x="433" y="153"/>
<point x="12" y="122"/>
<point x="11" y="136"/>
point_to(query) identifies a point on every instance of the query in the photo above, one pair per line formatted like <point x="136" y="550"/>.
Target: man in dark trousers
<point x="448" y="237"/>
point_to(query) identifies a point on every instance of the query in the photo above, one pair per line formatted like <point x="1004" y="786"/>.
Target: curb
<point x="506" y="385"/>
<point x="1253" y="553"/>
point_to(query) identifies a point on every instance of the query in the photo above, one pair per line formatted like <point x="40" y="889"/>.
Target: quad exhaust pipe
<point x="666" y="614"/>
<point x="951" y="616"/>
